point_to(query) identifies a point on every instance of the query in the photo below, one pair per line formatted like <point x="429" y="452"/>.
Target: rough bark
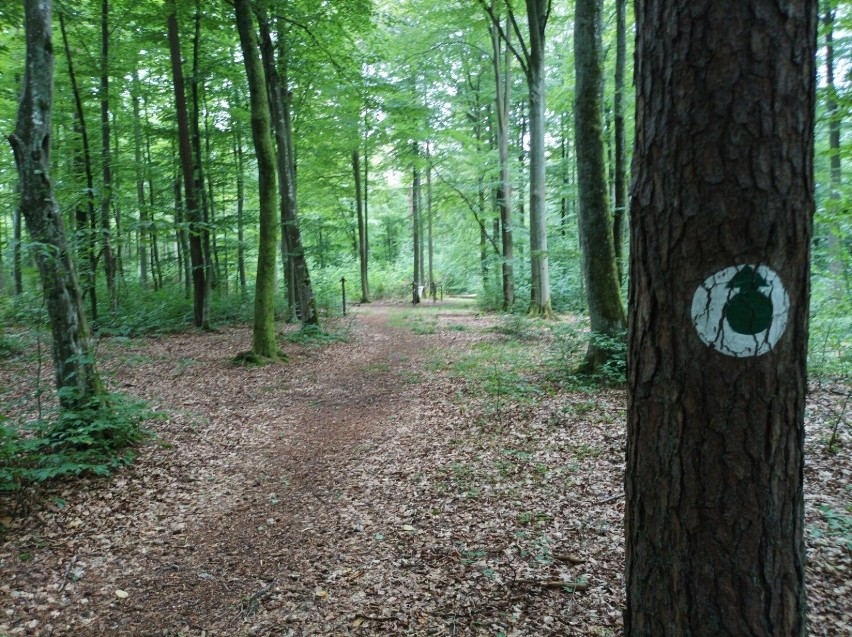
<point x="73" y="354"/>
<point x="606" y="312"/>
<point x="263" y="334"/>
<point x="192" y="209"/>
<point x="724" y="182"/>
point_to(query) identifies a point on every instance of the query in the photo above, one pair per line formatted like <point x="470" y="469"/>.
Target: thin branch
<point x="470" y="205"/>
<point x="524" y="55"/>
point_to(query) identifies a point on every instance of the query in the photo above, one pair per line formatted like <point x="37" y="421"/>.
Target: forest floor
<point x="428" y="475"/>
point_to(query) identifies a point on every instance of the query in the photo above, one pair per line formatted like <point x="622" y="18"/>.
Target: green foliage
<point x="12" y="344"/>
<point x="566" y="352"/>
<point x="316" y="336"/>
<point x="830" y="340"/>
<point x="95" y="438"/>
<point x="838" y="525"/>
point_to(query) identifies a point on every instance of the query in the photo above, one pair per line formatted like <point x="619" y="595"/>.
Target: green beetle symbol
<point x="749" y="311"/>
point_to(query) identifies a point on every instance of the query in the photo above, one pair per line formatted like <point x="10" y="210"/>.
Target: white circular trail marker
<point x="741" y="311"/>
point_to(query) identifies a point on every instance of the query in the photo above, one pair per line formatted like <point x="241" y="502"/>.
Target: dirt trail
<point x="364" y="489"/>
<point x="238" y="506"/>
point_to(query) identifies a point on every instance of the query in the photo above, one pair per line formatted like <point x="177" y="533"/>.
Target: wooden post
<point x="343" y="292"/>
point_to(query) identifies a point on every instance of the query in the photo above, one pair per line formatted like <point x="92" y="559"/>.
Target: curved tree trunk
<point x="722" y="207"/>
<point x="263" y="335"/>
<point x="606" y="311"/>
<point x="73" y="354"/>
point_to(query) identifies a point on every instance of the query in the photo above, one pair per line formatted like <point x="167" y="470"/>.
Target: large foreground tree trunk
<point x="606" y="311"/>
<point x="721" y="208"/>
<point x="73" y="355"/>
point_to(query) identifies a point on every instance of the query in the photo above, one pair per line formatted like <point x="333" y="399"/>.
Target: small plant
<point x="94" y="438"/>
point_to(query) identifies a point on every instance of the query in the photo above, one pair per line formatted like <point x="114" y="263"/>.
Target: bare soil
<point x="364" y="488"/>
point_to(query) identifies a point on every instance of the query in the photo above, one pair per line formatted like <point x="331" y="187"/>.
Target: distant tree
<point x="193" y="210"/>
<point x="530" y="52"/>
<point x="73" y="353"/>
<point x="362" y="228"/>
<point x="721" y="220"/>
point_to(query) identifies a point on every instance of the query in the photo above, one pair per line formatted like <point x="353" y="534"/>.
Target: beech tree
<point x="73" y="353"/>
<point x="200" y="290"/>
<point x="606" y="312"/>
<point x="721" y="208"/>
<point x="264" y="344"/>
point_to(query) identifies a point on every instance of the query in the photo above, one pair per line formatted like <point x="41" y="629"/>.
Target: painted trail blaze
<point x="741" y="310"/>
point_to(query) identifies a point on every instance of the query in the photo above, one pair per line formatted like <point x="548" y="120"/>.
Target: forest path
<point x="430" y="476"/>
<point x="237" y="506"/>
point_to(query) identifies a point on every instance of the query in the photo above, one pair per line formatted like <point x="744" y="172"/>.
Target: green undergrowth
<point x="314" y="335"/>
<point x="95" y="438"/>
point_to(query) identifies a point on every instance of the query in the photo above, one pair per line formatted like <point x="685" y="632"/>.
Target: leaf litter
<point x="368" y="487"/>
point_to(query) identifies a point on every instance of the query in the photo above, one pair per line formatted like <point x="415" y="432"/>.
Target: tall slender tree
<point x="721" y="216"/>
<point x="531" y="58"/>
<point x="107" y="253"/>
<point x="192" y="209"/>
<point x="263" y="335"/>
<point x="606" y="311"/>
<point x="362" y="230"/>
<point x="620" y="203"/>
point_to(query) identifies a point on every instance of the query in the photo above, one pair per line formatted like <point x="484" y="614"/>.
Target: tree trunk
<point x="241" y="199"/>
<point x="300" y="279"/>
<point x="618" y="116"/>
<point x="106" y="165"/>
<point x="835" y="231"/>
<point x="17" y="237"/>
<point x="89" y="237"/>
<point x="429" y="217"/>
<point x="503" y="83"/>
<point x="606" y="312"/>
<point x="73" y="353"/>
<point x="362" y="235"/>
<point x="142" y="232"/>
<point x="537" y="13"/>
<point x="263" y="335"/>
<point x="198" y="171"/>
<point x="415" y="224"/>
<point x="193" y="212"/>
<point x="722" y="207"/>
